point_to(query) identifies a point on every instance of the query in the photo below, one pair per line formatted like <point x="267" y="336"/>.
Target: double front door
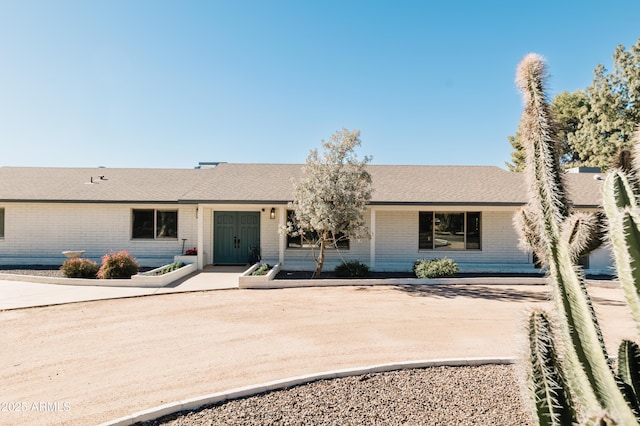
<point x="236" y="237"/>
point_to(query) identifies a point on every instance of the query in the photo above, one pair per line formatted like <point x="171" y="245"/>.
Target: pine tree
<point x="566" y="108"/>
<point x="608" y="120"/>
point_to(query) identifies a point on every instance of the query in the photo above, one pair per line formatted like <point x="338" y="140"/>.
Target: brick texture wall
<point x="38" y="233"/>
<point x="397" y="241"/>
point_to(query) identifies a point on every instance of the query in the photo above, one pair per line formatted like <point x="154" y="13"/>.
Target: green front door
<point x="236" y="235"/>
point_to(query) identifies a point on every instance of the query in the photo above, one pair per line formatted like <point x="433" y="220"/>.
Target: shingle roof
<point x="446" y="185"/>
<point x="244" y="183"/>
<point x="585" y="189"/>
<point x="247" y="183"/>
<point x="120" y="185"/>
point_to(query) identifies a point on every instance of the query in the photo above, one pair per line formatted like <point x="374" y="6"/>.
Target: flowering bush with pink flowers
<point x="79" y="268"/>
<point x="118" y="265"/>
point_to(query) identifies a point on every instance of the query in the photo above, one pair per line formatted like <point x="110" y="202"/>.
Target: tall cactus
<point x="560" y="235"/>
<point x="621" y="205"/>
<point x="552" y="397"/>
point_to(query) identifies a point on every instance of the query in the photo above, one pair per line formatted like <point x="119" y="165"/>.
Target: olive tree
<point x="330" y="199"/>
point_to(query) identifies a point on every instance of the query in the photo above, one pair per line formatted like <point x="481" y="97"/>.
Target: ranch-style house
<point x="231" y="213"/>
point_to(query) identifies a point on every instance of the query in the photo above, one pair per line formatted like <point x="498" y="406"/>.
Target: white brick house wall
<point x="269" y="236"/>
<point x="38" y="233"/>
<point x="302" y="258"/>
<point x="397" y="240"/>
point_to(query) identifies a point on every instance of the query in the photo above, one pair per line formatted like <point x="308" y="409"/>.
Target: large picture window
<point x="449" y="231"/>
<point x="310" y="238"/>
<point x="152" y="224"/>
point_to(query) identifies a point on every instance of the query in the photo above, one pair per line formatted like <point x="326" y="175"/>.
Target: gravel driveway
<point x="87" y="363"/>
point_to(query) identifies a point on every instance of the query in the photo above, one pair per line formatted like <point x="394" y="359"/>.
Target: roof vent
<point x="584" y="170"/>
<point x="207" y="164"/>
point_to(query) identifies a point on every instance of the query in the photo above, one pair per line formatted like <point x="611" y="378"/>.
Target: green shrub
<point x="174" y="266"/>
<point x="351" y="269"/>
<point x="436" y="268"/>
<point x="118" y="265"/>
<point x="262" y="270"/>
<point x="169" y="268"/>
<point x="79" y="268"/>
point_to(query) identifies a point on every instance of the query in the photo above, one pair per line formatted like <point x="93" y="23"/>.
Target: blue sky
<point x="170" y="83"/>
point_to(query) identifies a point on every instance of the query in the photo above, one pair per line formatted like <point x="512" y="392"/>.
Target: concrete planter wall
<point x="147" y="279"/>
<point x="139" y="280"/>
<point x="246" y="280"/>
<point x="338" y="282"/>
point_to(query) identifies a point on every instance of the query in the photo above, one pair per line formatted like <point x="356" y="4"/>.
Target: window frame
<point x="2" y="222"/>
<point x="311" y="239"/>
<point x="428" y="236"/>
<point x="154" y="227"/>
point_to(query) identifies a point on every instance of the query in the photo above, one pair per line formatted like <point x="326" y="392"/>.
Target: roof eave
<point x="446" y="203"/>
<point x="72" y="201"/>
<point x="234" y="201"/>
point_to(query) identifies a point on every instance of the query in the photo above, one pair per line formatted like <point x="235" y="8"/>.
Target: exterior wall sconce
<point x="272" y="215"/>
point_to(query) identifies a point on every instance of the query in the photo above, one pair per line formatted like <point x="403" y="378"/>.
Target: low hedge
<point x="436" y="268"/>
<point x="79" y="268"/>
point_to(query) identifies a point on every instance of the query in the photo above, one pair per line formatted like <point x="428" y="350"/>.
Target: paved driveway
<point x="22" y="294"/>
<point x="85" y="363"/>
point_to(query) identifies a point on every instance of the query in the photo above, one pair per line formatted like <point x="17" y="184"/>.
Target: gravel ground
<point x="42" y="270"/>
<point x="37" y="270"/>
<point x="482" y="395"/>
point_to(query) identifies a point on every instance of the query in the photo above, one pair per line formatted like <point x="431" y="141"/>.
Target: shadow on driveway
<point x="473" y="291"/>
<point x="444" y="291"/>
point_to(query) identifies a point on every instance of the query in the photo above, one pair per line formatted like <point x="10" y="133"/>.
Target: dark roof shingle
<point x="244" y="183"/>
<point x="119" y="185"/>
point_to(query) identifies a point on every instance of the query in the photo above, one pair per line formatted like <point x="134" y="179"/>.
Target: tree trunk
<point x="320" y="259"/>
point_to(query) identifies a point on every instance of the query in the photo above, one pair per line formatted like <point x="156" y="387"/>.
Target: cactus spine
<point x="559" y="233"/>
<point x="552" y="398"/>
<point x="620" y="204"/>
